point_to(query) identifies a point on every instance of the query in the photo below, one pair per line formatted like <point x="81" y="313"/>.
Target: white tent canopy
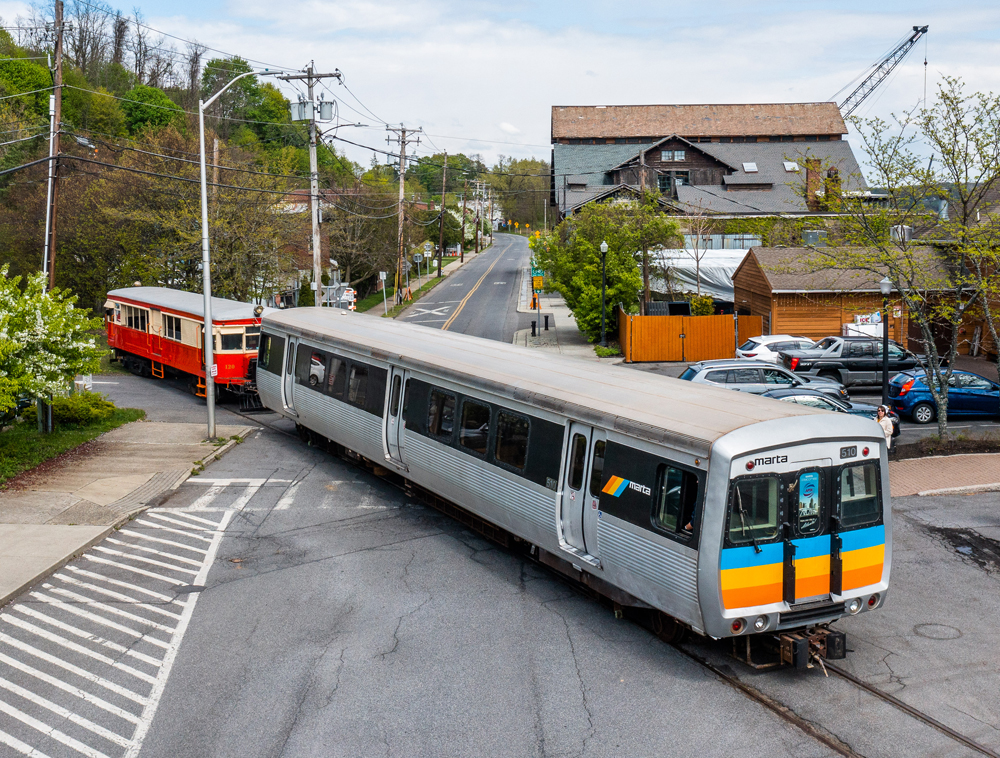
<point x="715" y="269"/>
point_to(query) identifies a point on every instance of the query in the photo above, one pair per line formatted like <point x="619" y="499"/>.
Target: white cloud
<point x="509" y="128"/>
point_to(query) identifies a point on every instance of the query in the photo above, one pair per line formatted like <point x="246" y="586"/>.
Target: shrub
<point x="702" y="305"/>
<point x="82" y="408"/>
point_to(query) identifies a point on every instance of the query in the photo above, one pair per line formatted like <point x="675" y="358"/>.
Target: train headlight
<point x="738" y="626"/>
<point x="760" y="624"/>
<point x="854" y="606"/>
<point x="873" y="600"/>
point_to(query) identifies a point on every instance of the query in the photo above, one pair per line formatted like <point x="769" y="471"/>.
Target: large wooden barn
<point x="795" y="294"/>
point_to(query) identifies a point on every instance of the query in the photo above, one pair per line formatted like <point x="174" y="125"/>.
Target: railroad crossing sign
<point x="417" y="257"/>
<point x="427" y="247"/>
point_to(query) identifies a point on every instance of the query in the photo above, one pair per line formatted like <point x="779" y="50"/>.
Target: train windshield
<point x="253" y="338"/>
<point x="753" y="514"/>
<point x="859" y="495"/>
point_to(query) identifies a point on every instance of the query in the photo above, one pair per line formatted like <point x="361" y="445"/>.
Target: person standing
<point x="882" y="416"/>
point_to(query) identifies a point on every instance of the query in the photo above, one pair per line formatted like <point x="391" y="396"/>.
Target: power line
<point x="24" y="94"/>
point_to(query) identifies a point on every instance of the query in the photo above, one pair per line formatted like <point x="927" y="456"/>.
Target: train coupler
<point x="806" y="648"/>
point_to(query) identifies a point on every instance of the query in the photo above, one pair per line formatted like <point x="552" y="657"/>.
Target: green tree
<point x="44" y="340"/>
<point x="149" y="107"/>
<point x="571" y="256"/>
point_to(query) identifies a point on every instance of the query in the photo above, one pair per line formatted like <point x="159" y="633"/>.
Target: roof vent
<point x="791" y="167"/>
<point x="750" y="168"/>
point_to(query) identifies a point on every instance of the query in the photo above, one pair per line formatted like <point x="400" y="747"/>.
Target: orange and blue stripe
<point x="615" y="486"/>
<point x="750" y="578"/>
<point x="862" y="554"/>
<point x="812" y="566"/>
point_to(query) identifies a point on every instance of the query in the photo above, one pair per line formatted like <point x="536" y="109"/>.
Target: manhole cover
<point x="937" y="631"/>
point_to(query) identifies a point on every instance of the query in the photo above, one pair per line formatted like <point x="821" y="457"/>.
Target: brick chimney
<point x="814" y="183"/>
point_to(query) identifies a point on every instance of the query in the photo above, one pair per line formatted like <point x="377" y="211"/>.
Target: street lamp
<point x="208" y="340"/>
<point x="604" y="258"/>
<point x="885" y="287"/>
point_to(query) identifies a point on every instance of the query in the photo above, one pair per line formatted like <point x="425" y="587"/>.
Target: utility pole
<point x="642" y="234"/>
<point x="311" y="78"/>
<point x="479" y="207"/>
<point x="402" y="140"/>
<point x="55" y="111"/>
<point x="215" y="167"/>
<point x="444" y="191"/>
<point x="491" y="215"/>
<point x="461" y="246"/>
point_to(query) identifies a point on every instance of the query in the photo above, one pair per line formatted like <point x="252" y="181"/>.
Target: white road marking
<point x="288" y="498"/>
<point x="63" y="713"/>
<point x="202" y="501"/>
<point x="86" y="635"/>
<point x="134" y="569"/>
<point x="116" y="583"/>
<point x="199" y="519"/>
<point x="227" y="482"/>
<point x="499" y="282"/>
<point x="144" y="522"/>
<point x="177" y="522"/>
<point x="14" y="742"/>
<point x="151" y="551"/>
<point x="116" y="595"/>
<point x="108" y="608"/>
<point x="50" y="731"/>
<point x="68" y="688"/>
<point x="71" y="608"/>
<point x="141" y="559"/>
<point x="241" y="502"/>
<point x="440" y="311"/>
<point x="148" y="538"/>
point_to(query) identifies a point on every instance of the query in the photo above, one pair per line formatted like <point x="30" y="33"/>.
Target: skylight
<point x="791" y="167"/>
<point x="750" y="168"/>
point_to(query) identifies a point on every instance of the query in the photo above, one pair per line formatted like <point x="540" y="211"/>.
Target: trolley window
<point x="253" y="337"/>
<point x="397" y="383"/>
<point x="272" y="348"/>
<point x="172" y="327"/>
<point x="512" y="439"/>
<point x="232" y="341"/>
<point x="441" y="414"/>
<point x="676" y="496"/>
<point x="859" y="495"/>
<point x="358" y="386"/>
<point x="597" y="468"/>
<point x="753" y="510"/>
<point x="475" y="430"/>
<point x="578" y="458"/>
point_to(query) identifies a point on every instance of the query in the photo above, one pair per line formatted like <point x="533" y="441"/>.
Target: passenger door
<point x="288" y="380"/>
<point x="982" y="395"/>
<point x="745" y="380"/>
<point x="394" y="420"/>
<point x="861" y="363"/>
<point x="576" y="502"/>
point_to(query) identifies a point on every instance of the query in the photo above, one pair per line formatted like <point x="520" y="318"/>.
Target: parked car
<point x="317" y="369"/>
<point x="968" y="395"/>
<point x="756" y="377"/>
<point x="849" y="360"/>
<point x="768" y="347"/>
<point x="816" y="399"/>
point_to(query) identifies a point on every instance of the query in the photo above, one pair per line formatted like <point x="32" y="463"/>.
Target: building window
<point x="172" y="327"/>
<point x="750" y="168"/>
<point x="668" y="156"/>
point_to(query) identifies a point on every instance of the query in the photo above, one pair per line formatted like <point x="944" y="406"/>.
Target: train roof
<point x="188" y="302"/>
<point x="638" y="403"/>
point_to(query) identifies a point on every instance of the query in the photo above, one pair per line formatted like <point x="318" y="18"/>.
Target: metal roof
<point x="188" y="302"/>
<point x="640" y="404"/>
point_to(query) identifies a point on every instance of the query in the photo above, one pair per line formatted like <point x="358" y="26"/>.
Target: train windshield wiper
<point x="743" y="520"/>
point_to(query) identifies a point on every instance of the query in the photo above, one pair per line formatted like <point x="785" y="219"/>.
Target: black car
<point x="814" y="399"/>
<point x="849" y="360"/>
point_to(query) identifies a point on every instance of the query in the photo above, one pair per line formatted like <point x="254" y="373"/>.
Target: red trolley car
<point x="156" y="330"/>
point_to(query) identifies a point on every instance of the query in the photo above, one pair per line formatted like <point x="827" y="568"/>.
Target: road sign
<point x="417" y="257"/>
<point x="215" y="369"/>
<point x="427" y="246"/>
<point x="381" y="275"/>
<point x="537" y="283"/>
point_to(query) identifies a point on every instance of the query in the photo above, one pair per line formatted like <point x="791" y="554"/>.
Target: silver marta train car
<point x="731" y="514"/>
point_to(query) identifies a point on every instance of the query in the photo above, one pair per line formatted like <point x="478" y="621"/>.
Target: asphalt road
<point x="480" y="298"/>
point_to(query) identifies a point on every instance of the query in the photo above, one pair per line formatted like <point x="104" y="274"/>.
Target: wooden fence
<point x="683" y="338"/>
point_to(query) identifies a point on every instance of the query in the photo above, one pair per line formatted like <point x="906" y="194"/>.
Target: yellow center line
<point x="465" y="299"/>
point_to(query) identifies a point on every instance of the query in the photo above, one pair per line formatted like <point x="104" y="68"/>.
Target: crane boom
<point x="882" y="70"/>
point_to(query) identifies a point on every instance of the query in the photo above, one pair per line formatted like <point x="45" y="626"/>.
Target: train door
<point x="393" y="424"/>
<point x="288" y="379"/>
<point x="810" y="535"/>
<point x="155" y="332"/>
<point x="579" y="518"/>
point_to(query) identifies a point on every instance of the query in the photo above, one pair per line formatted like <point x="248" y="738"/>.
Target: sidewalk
<point x="53" y="513"/>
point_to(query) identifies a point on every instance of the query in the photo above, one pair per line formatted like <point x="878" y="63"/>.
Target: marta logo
<point x="616" y="486"/>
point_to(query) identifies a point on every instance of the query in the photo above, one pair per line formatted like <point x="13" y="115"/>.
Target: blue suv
<point x="968" y="395"/>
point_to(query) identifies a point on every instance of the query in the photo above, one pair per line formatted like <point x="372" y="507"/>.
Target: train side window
<point x="512" y="439"/>
<point x="289" y="360"/>
<point x="253" y="337"/>
<point x="172" y="327"/>
<point x="336" y="378"/>
<point x="578" y="458"/>
<point x="753" y="510"/>
<point x="358" y="386"/>
<point x="597" y="468"/>
<point x="272" y="349"/>
<point x="441" y="414"/>
<point x="675" y="498"/>
<point x="304" y="362"/>
<point x="859" y="495"/>
<point x="474" y="434"/>
<point x="397" y="386"/>
<point x="232" y="341"/>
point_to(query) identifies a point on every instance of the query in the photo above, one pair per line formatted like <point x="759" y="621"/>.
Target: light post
<point x="208" y="341"/>
<point x="604" y="258"/>
<point x="885" y="287"/>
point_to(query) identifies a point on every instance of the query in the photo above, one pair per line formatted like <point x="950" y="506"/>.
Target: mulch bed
<point x="950" y="445"/>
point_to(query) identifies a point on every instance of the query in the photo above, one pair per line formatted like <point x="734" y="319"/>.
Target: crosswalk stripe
<point x="75" y="647"/>
<point x="153" y="551"/>
<point x="46" y="619"/>
<point x="50" y="731"/>
<point x="141" y="559"/>
<point x="185" y="524"/>
<point x="240" y="503"/>
<point x="210" y="494"/>
<point x="288" y="498"/>
<point x="154" y="525"/>
<point x="133" y="569"/>
<point x="101" y="681"/>
<point x="14" y="742"/>
<point x="69" y="688"/>
<point x="123" y="585"/>
<point x="207" y="522"/>
<point x="108" y="608"/>
<point x="71" y="608"/>
<point x="66" y="714"/>
<point x="116" y="595"/>
<point x="150" y="538"/>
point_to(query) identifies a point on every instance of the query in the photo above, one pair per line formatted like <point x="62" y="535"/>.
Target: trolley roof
<point x="682" y="413"/>
<point x="187" y="302"/>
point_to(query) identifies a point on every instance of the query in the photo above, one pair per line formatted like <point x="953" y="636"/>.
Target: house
<point x="730" y="160"/>
<point x="797" y="294"/>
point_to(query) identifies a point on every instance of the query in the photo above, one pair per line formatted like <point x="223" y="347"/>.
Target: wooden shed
<point x="796" y="295"/>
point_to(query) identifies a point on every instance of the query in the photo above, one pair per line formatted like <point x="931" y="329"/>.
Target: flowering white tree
<point x="45" y="340"/>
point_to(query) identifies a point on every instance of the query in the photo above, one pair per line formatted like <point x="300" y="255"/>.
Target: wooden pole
<point x="58" y="81"/>
<point x="444" y="194"/>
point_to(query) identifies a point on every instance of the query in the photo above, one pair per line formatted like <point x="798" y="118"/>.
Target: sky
<point x="481" y="77"/>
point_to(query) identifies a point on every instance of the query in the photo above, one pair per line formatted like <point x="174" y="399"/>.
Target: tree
<point x="44" y="340"/>
<point x="571" y="256"/>
<point x="146" y="106"/>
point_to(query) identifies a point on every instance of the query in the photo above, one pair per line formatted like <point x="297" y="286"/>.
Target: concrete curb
<point x="968" y="490"/>
<point x="54" y="567"/>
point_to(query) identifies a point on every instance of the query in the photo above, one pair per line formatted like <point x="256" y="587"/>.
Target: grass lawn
<point x="395" y="310"/>
<point x="23" y="448"/>
<point x="107" y="367"/>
